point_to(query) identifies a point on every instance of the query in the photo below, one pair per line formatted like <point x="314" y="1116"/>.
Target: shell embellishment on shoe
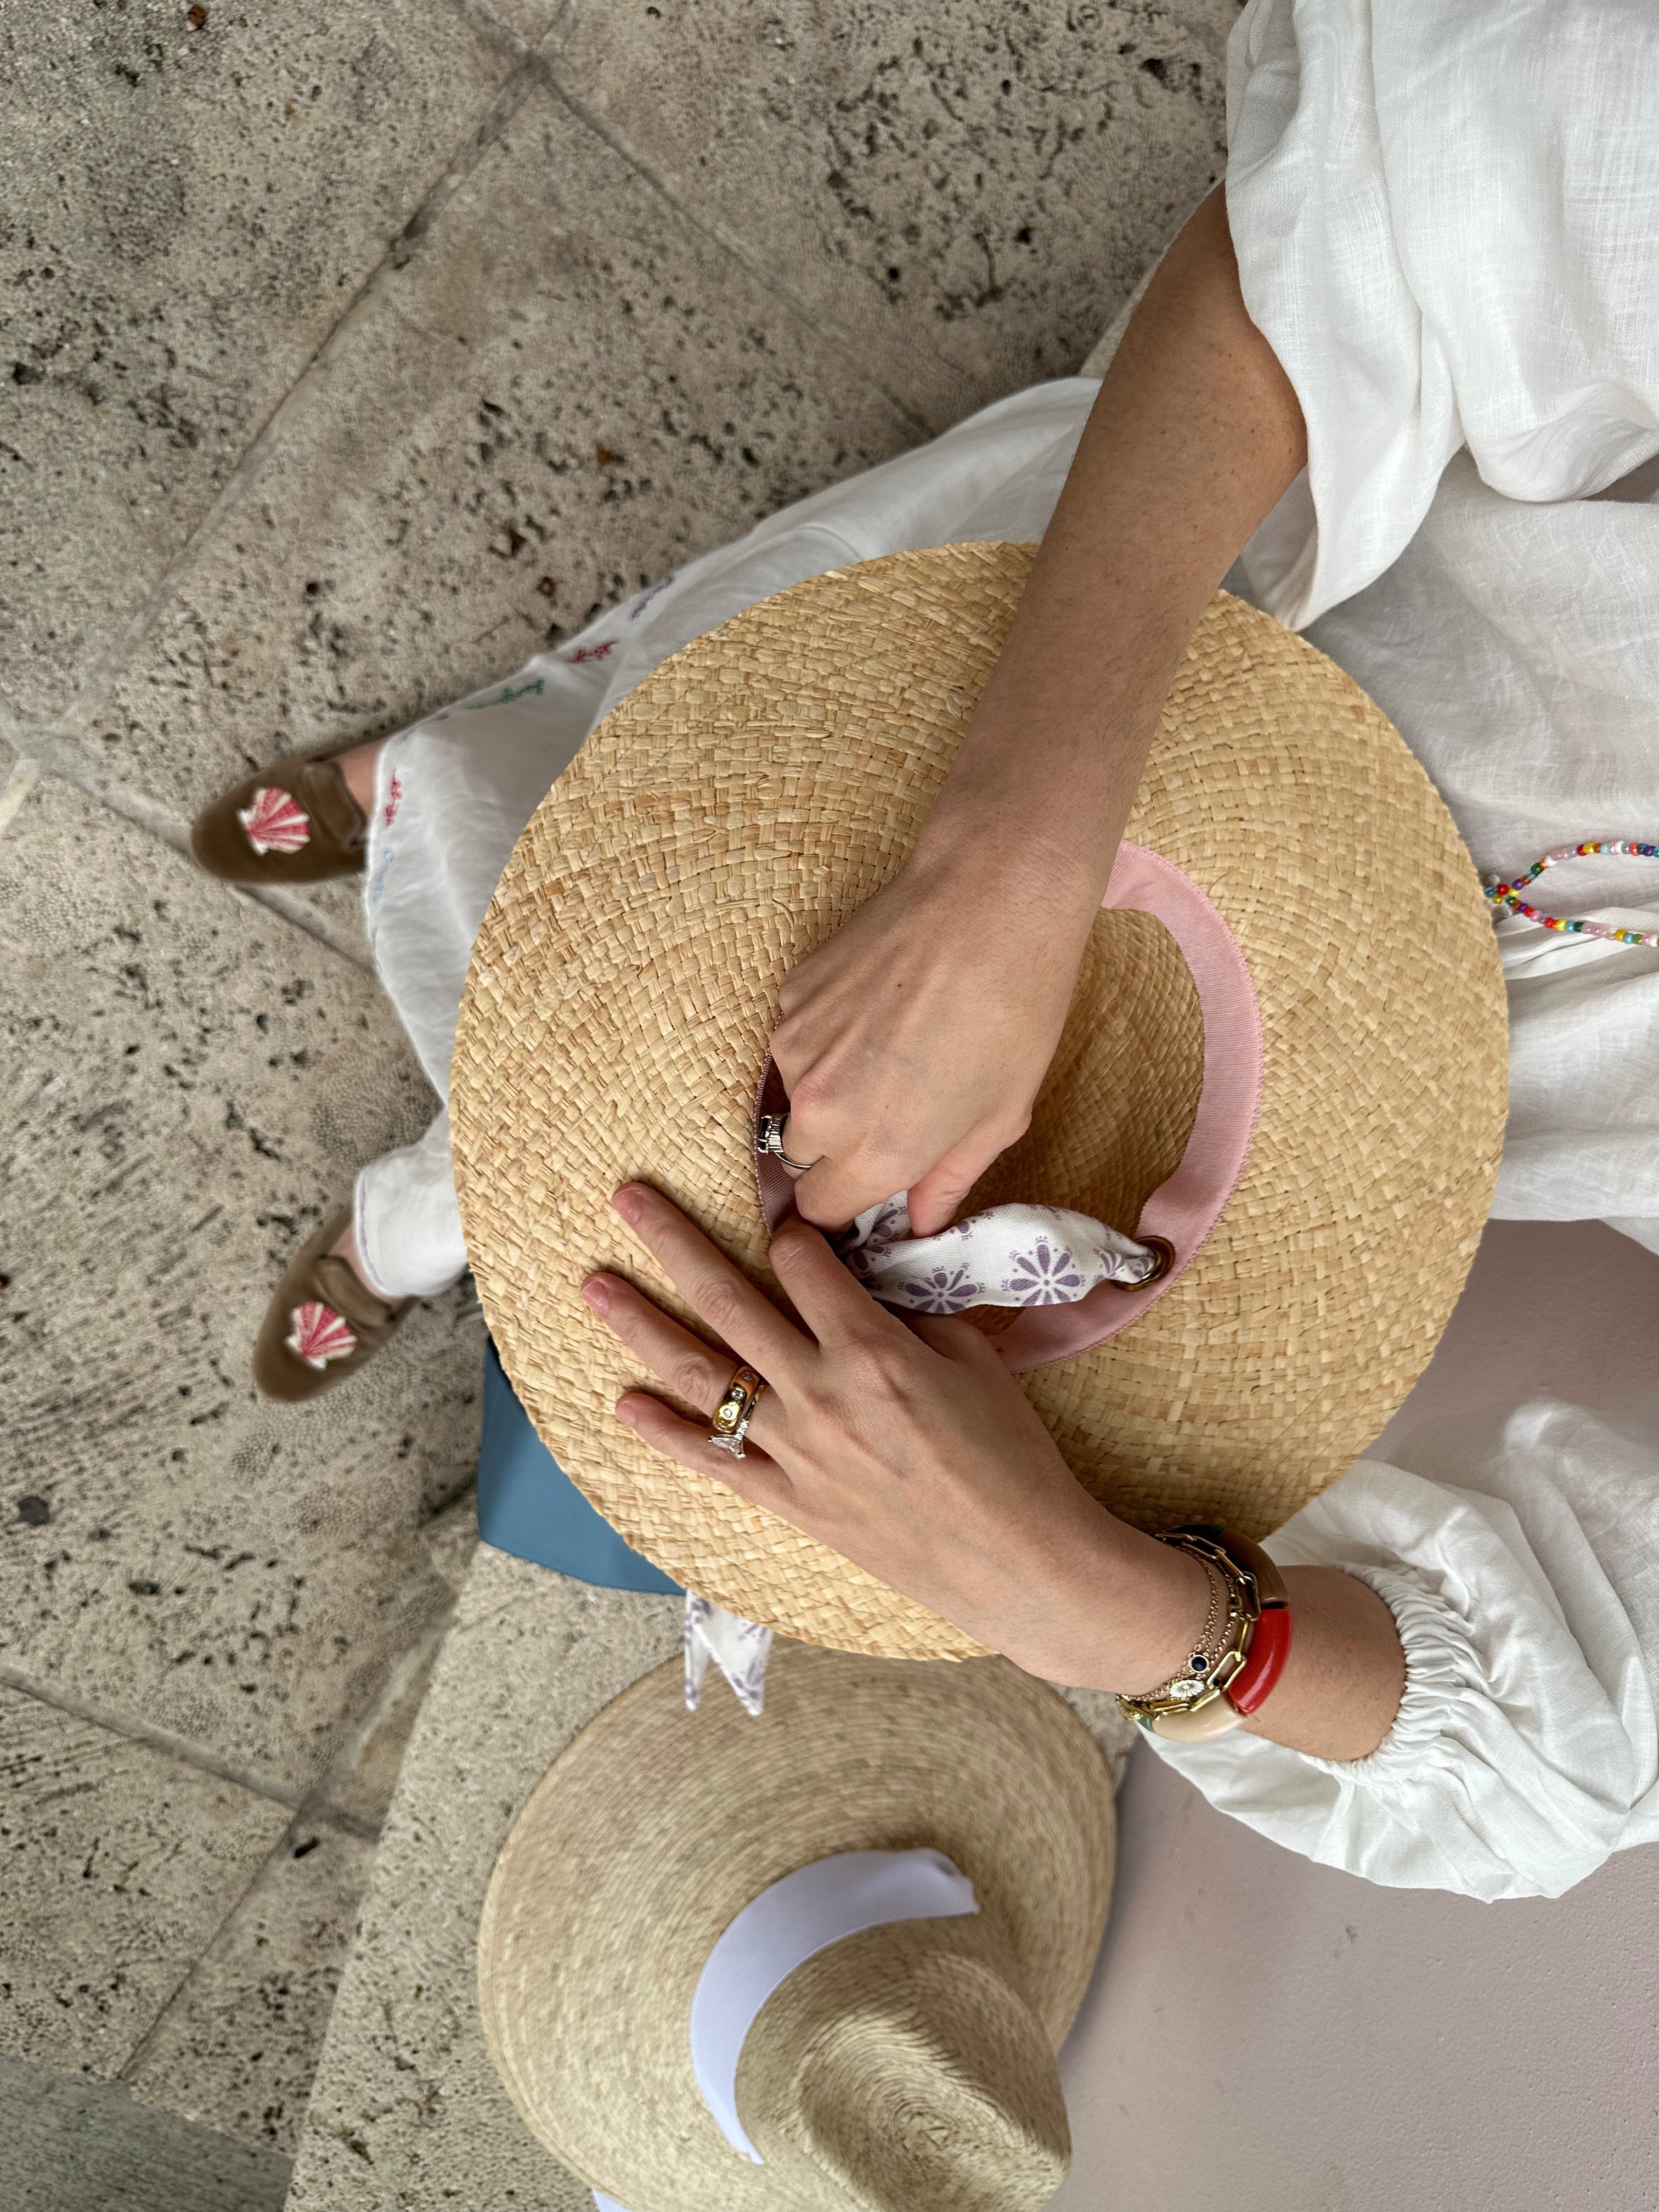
<point x="274" y="822"/>
<point x="319" y="1335"/>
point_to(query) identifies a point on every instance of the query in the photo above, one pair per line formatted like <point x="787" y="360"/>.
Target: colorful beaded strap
<point x="1509" y="894"/>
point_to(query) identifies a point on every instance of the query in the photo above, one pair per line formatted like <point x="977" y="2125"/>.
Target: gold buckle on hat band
<point x="736" y="1410"/>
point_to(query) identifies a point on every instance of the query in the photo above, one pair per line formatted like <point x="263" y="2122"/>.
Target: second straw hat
<point x="817" y="1961"/>
<point x="1286" y="1055"/>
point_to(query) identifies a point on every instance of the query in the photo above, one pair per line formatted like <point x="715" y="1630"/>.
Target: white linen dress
<point x="1447" y="225"/>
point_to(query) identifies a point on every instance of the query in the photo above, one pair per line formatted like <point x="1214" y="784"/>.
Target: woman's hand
<point x="914" y="1043"/>
<point x="908" y="1449"/>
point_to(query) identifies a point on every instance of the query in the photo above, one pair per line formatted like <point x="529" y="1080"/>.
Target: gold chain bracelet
<point x="1191" y="1705"/>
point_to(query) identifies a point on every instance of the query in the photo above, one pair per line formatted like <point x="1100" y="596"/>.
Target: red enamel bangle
<point x="1264" y="1662"/>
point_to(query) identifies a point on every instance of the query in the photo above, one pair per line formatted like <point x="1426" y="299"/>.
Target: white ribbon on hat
<point x="789" y="1922"/>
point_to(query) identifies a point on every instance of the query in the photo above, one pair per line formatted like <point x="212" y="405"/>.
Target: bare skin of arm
<point x="913" y="1043"/>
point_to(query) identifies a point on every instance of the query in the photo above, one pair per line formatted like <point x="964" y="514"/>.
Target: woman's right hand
<point x="914" y="1043"/>
<point x="906" y="1446"/>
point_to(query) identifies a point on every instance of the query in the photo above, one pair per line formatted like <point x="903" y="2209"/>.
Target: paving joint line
<point x="730" y="244"/>
<point x="510" y="96"/>
<point x="304" y="1817"/>
<point x="66" y="753"/>
<point x="154" y="1737"/>
<point x="69" y="758"/>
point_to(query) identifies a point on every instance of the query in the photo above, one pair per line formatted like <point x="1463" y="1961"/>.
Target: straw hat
<point x="1288" y="1034"/>
<point x="906" y="2068"/>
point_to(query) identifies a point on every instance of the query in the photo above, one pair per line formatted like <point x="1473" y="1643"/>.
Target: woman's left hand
<point x="905" y="1446"/>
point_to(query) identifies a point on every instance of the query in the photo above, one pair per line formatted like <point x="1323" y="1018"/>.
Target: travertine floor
<point x="353" y="351"/>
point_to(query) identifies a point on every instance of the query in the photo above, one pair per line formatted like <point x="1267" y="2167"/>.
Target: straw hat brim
<point x="655" y="1828"/>
<point x="749" y="795"/>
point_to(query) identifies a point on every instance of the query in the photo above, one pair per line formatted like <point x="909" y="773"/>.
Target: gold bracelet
<point x="1190" y="1706"/>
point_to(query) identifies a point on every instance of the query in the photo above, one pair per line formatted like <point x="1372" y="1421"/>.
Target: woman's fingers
<point x="934" y="1197"/>
<point x="718" y="1293"/>
<point x="831" y="1301"/>
<point x="837" y="1189"/>
<point x="696" y="1372"/>
<point x="755" y="1476"/>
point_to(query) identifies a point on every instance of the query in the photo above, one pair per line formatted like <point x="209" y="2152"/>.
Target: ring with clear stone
<point x="768" y="1137"/>
<point x="736" y="1410"/>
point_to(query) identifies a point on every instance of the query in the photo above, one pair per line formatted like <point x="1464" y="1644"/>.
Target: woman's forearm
<point x="1194" y="436"/>
<point x="1346" y="1674"/>
<point x="1137" y="1606"/>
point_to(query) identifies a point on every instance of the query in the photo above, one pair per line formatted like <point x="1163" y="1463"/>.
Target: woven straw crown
<point x="745" y="799"/>
<point x="907" y="2069"/>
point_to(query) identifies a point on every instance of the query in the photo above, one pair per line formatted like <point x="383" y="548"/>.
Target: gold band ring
<point x="736" y="1410"/>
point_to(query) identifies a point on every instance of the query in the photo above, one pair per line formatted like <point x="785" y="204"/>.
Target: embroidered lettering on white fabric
<point x="319" y="1335"/>
<point x="274" y="822"/>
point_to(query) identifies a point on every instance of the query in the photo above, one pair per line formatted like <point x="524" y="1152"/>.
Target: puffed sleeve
<point x="1524" y="1750"/>
<point x="1446" y="221"/>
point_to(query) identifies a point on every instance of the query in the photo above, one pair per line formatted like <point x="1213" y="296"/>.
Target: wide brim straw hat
<point x="1287" y="1049"/>
<point x="910" y="2066"/>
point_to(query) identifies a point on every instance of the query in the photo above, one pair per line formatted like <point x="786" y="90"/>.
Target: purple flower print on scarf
<point x="1046" y="1275"/>
<point x="1008" y="1255"/>
<point x="942" y="1290"/>
<point x="739" y="1647"/>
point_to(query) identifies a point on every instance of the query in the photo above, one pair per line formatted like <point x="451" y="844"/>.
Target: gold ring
<point x="736" y="1410"/>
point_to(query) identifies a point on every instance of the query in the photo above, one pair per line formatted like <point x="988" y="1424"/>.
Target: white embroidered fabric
<point x="1008" y="1255"/>
<point x="739" y="1647"/>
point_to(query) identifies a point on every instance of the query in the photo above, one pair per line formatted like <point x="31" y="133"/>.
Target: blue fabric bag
<point x="528" y="1505"/>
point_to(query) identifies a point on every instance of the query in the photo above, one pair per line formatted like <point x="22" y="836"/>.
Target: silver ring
<point x="768" y="1137"/>
<point x="736" y="1410"/>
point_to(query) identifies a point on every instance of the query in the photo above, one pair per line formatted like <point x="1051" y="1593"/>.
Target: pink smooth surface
<point x="1186" y="1206"/>
<point x="1265" y="2035"/>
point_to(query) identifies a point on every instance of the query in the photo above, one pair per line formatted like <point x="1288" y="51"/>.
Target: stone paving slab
<point x="119" y="1865"/>
<point x="80" y="2146"/>
<point x="561" y="394"/>
<point x="188" y="213"/>
<point x="237" y="2047"/>
<point x="189" y="1085"/>
<point x="407" y="2113"/>
<point x="407" y="2109"/>
<point x="968" y="194"/>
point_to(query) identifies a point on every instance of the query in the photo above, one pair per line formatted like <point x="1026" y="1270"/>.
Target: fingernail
<point x="624" y="1413"/>
<point x="597" y="1292"/>
<point x="625" y="1201"/>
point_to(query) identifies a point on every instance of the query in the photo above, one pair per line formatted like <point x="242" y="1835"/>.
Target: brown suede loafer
<point x="294" y="822"/>
<point x="322" y="1325"/>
